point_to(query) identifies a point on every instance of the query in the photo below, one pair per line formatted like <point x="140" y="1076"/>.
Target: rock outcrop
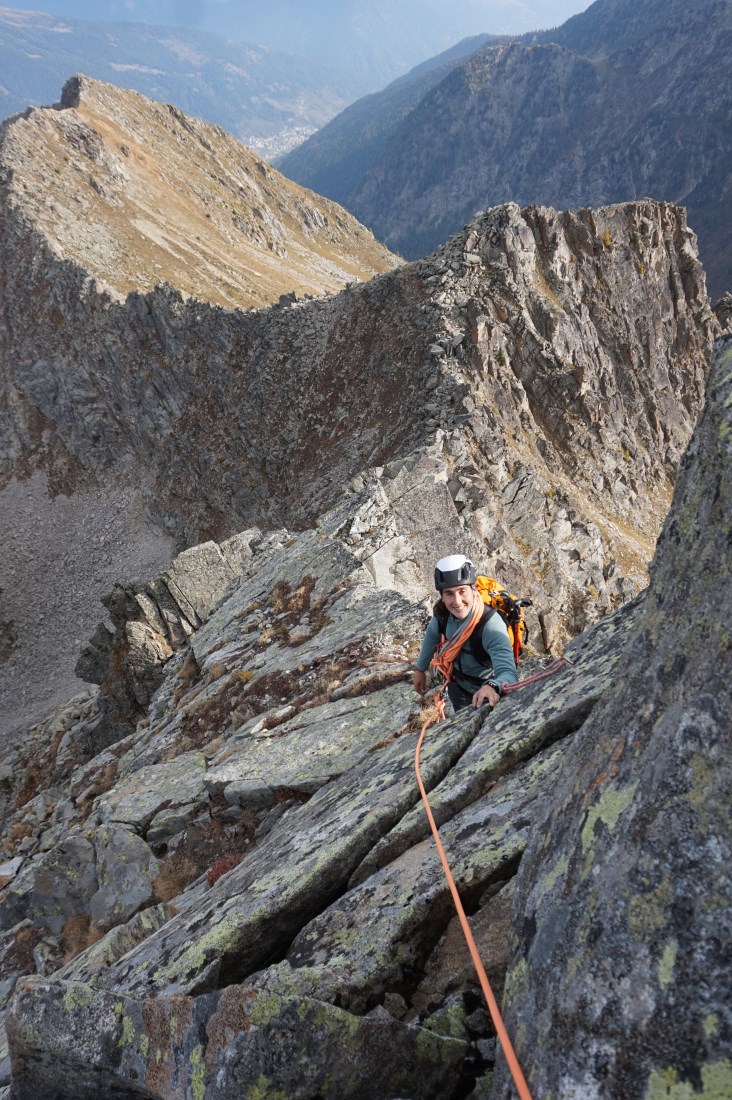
<point x="620" y="966"/>
<point x="276" y="899"/>
<point x="546" y="367"/>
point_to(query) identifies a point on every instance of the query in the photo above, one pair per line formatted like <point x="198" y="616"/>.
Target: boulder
<point x="52" y="887"/>
<point x="126" y="870"/>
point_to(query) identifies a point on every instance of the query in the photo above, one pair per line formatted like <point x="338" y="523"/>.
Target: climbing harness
<point x="443" y="662"/>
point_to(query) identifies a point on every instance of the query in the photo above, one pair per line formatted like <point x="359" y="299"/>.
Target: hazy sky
<point x="373" y="41"/>
<point x="469" y="16"/>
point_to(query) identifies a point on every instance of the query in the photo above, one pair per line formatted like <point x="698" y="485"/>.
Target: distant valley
<point x="369" y="42"/>
<point x="270" y="100"/>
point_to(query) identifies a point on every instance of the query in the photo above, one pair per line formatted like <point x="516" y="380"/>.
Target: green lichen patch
<point x="716" y="1078"/>
<point x="667" y="963"/>
<point x="607" y="810"/>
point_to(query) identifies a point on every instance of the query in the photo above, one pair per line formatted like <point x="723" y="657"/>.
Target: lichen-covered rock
<point x="619" y="978"/>
<point x="147" y="791"/>
<point x="604" y="787"/>
<point x="52" y="887"/>
<point x="241" y="1042"/>
<point x="126" y="870"/>
<point x="347" y="885"/>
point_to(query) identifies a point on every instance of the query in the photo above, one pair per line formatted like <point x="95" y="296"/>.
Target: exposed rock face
<point x="329" y="929"/>
<point x="620" y="970"/>
<point x="622" y="101"/>
<point x="333" y="160"/>
<point x="723" y="310"/>
<point x="547" y="367"/>
<point x="150" y="622"/>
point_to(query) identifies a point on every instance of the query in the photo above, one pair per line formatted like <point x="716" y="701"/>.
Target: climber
<point x="485" y="661"/>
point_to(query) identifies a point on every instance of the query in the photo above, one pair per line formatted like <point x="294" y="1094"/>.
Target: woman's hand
<point x="486" y="694"/>
<point x="419" y="682"/>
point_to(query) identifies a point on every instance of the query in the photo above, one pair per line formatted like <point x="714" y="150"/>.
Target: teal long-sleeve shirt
<point x="468" y="672"/>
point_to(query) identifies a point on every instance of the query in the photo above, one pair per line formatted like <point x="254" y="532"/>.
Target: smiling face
<point x="459" y="600"/>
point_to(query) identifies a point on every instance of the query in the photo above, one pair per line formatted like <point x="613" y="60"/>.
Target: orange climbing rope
<point x="437" y="715"/>
<point x="511" y="1059"/>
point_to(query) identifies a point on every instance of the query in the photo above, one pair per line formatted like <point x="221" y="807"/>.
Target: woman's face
<point x="459" y="600"/>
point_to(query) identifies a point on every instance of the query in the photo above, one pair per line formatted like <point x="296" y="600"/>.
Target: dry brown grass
<point x="18" y="831"/>
<point x="220" y="866"/>
<point x="77" y="934"/>
<point x="201" y="847"/>
<point x="100" y="784"/>
<point x="175" y="874"/>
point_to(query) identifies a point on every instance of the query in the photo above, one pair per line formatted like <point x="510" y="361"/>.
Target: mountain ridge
<point x="371" y="43"/>
<point x="538" y="121"/>
<point x="500" y="350"/>
<point x="217" y="876"/>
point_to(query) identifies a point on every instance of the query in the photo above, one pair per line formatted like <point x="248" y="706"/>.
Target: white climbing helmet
<point x="454" y="570"/>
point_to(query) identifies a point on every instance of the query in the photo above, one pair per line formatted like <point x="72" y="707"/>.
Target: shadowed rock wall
<point x="619" y="980"/>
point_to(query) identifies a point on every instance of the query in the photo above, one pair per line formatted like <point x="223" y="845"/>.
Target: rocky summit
<point x="534" y="382"/>
<point x="240" y="898"/>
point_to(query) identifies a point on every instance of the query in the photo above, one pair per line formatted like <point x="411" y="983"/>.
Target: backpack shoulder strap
<point x="476" y="638"/>
<point x="441" y="613"/>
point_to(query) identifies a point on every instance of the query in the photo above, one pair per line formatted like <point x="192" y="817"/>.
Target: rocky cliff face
<point x="546" y="367"/>
<point x="623" y="101"/>
<point x="639" y="854"/>
<point x="240" y="897"/>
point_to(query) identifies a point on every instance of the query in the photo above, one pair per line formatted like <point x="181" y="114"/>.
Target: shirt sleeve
<point x="497" y="645"/>
<point x="429" y="645"/>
